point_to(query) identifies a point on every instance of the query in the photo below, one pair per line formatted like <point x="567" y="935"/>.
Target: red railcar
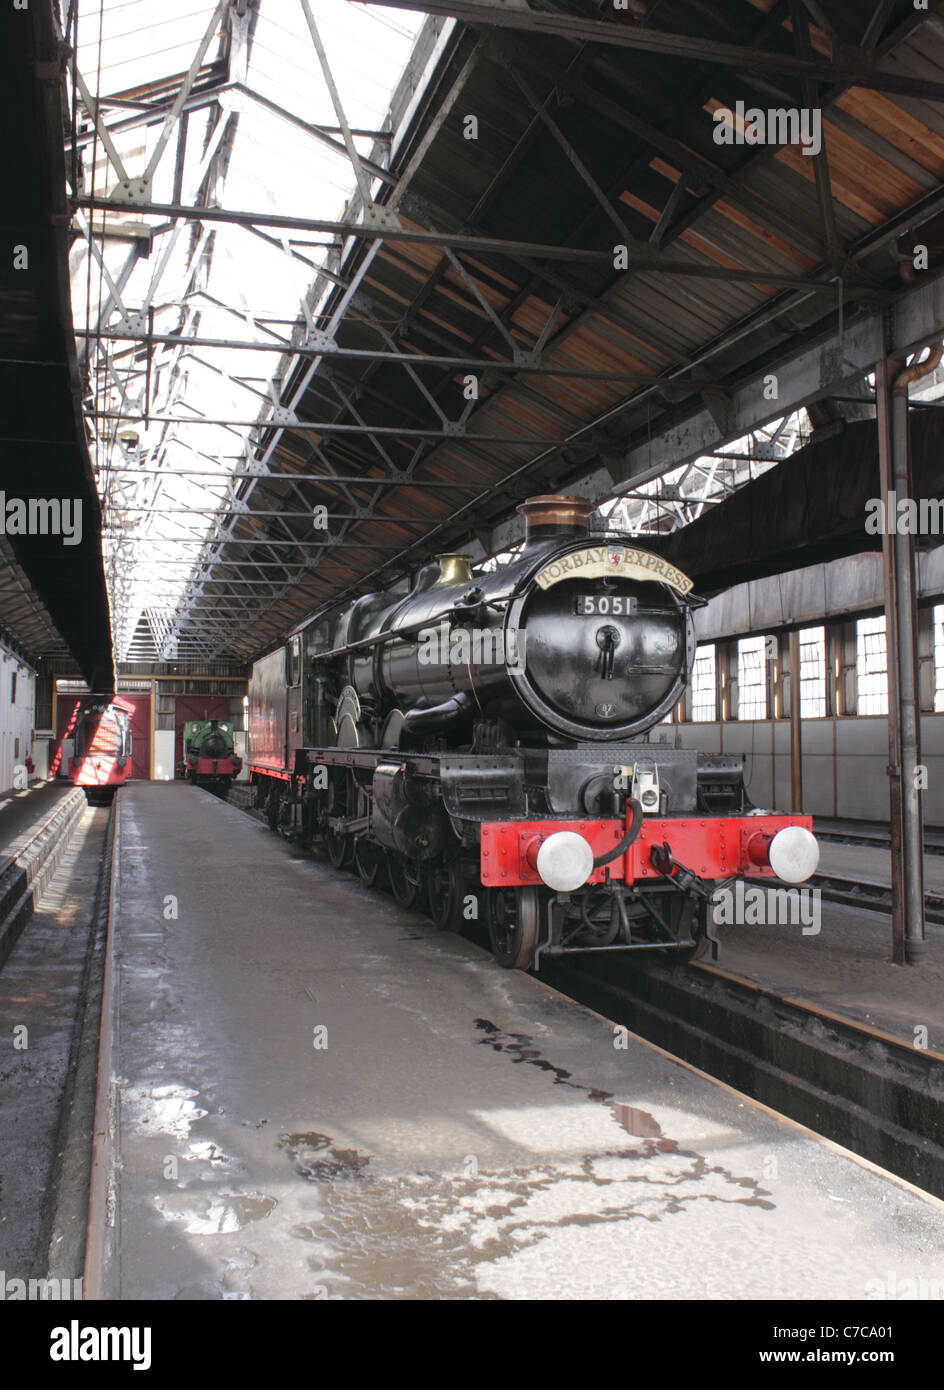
<point x="101" y="758"/>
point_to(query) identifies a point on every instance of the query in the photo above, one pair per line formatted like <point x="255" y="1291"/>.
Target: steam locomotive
<point x="101" y="754"/>
<point x="209" y="758"/>
<point x="479" y="743"/>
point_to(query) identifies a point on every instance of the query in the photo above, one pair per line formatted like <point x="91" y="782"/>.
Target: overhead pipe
<point x="918" y="370"/>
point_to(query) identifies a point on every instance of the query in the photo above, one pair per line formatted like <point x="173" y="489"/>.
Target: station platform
<point x="845" y="967"/>
<point x="313" y="1094"/>
<point x="36" y="826"/>
<point x="21" y="813"/>
<point x="42" y="988"/>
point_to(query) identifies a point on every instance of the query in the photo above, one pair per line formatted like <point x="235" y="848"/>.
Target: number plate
<point x="606" y="605"/>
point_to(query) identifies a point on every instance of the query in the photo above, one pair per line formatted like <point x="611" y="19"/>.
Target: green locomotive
<point x="209" y="755"/>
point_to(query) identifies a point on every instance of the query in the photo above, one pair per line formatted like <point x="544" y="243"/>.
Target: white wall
<point x="163" y="769"/>
<point x="241" y="749"/>
<point x="42" y="744"/>
<point x="16" y="718"/>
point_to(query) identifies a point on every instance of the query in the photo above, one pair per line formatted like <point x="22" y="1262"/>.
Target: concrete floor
<point x="318" y="1096"/>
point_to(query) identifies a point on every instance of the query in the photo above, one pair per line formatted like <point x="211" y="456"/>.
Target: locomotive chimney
<point x="556" y="517"/>
<point x="453" y="569"/>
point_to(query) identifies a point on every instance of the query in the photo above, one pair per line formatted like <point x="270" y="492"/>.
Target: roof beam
<point x="295" y="516"/>
<point x="811" y="99"/>
<point x="818" y="370"/>
<point x="700" y="171"/>
<point x="855" y="66"/>
<point x="496" y="245"/>
<point x="321" y="427"/>
<point x="317" y="132"/>
<point x="641" y="255"/>
<point x="338" y="353"/>
<point x="256" y="541"/>
<point x="333" y="479"/>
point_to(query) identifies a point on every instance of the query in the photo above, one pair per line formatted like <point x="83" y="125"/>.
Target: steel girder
<point x="856" y="66"/>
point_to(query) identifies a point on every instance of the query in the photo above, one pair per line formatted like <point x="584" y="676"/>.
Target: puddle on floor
<point x="317" y="1160"/>
<point x="435" y="1235"/>
<point x="638" y="1123"/>
<point x="207" y="1152"/>
<point x="214" y="1213"/>
<point x="168" y="1109"/>
<point x="455" y="1234"/>
<point x="520" y="1047"/>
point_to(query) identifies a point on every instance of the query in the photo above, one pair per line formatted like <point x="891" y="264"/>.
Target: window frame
<point x="761" y="685"/>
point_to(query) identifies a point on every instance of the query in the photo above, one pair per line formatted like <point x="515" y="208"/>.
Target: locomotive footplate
<point x="710" y="847"/>
<point x="636" y="885"/>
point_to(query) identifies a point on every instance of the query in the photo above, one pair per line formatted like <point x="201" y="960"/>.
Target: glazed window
<point x="813" y="673"/>
<point x="704" y="688"/>
<point x="752" y="678"/>
<point x="939" y="656"/>
<point x="872" y="666"/>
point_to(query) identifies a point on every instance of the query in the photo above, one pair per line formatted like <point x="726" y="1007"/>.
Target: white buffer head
<point x="565" y="861"/>
<point x="793" y="854"/>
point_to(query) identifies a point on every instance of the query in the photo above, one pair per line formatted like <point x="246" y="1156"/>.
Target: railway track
<point x="858" y="1086"/>
<point x="872" y="895"/>
<point x="872" y="837"/>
